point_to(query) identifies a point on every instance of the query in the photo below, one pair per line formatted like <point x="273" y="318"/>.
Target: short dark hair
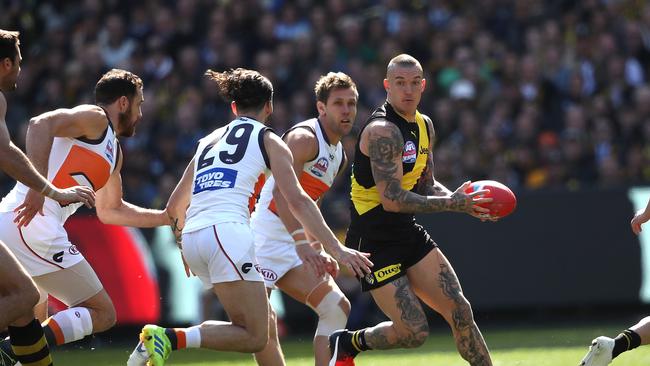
<point x="403" y="60"/>
<point x="8" y="42"/>
<point x="331" y="81"/>
<point x="116" y="83"/>
<point x="249" y="89"/>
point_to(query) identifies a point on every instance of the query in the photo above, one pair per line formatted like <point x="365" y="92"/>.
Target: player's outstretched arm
<point x="304" y="208"/>
<point x="179" y="201"/>
<point x="112" y="209"/>
<point x="383" y="143"/>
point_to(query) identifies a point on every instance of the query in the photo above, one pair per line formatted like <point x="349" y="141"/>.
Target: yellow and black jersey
<point x="367" y="214"/>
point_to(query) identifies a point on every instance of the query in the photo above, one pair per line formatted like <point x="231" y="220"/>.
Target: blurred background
<point x="548" y="97"/>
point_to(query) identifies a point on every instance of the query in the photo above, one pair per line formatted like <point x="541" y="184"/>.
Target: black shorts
<point x="392" y="255"/>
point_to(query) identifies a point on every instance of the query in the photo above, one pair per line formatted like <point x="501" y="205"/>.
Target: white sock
<point x="193" y="336"/>
<point x="70" y="325"/>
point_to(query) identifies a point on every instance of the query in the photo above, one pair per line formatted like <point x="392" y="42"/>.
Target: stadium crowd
<point x="535" y="94"/>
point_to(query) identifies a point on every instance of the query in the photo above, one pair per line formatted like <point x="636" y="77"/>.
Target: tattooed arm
<point x="383" y="143"/>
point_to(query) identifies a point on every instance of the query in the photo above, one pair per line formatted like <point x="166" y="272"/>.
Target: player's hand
<point x="312" y="259"/>
<point x="75" y="194"/>
<point x="355" y="261"/>
<point x="331" y="265"/>
<point x="462" y="201"/>
<point x="639" y="219"/>
<point x="32" y="205"/>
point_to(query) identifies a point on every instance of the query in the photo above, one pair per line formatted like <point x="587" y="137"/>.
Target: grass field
<point x="519" y="347"/>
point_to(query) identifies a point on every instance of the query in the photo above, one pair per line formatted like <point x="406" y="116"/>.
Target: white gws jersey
<point x="72" y="161"/>
<point x="227" y="165"/>
<point x="316" y="178"/>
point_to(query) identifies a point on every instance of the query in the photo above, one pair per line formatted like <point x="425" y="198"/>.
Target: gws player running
<point x="210" y="215"/>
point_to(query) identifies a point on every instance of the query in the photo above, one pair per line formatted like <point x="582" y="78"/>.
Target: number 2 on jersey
<point x="240" y="141"/>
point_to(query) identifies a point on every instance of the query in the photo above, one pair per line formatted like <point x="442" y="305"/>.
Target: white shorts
<point x="222" y="253"/>
<point x="276" y="258"/>
<point x="42" y="247"/>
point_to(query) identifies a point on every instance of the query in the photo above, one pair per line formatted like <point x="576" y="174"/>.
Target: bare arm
<point x="640" y="218"/>
<point x="14" y="162"/>
<point x="179" y="201"/>
<point x="112" y="209"/>
<point x="383" y="143"/>
<point x="304" y="208"/>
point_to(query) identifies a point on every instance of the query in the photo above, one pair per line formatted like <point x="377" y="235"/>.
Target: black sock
<point x="625" y="341"/>
<point x="173" y="339"/>
<point x="358" y="340"/>
<point x="29" y="344"/>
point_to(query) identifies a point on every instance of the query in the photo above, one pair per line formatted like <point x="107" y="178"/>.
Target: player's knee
<point x="104" y="317"/>
<point x="29" y="296"/>
<point x="462" y="314"/>
<point x="257" y="341"/>
<point x="333" y="311"/>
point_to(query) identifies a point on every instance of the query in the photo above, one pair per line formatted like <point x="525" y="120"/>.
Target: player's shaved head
<point x="402" y="60"/>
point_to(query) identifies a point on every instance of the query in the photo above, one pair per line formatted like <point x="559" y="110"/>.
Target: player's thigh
<point x="300" y="281"/>
<point x="75" y="285"/>
<point x="245" y="302"/>
<point x="397" y="300"/>
<point x="434" y="281"/>
<point x="13" y="275"/>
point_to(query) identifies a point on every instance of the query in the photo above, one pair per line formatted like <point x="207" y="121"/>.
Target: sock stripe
<point x="355" y="341"/>
<point x="32" y="348"/>
<point x="181" y="339"/>
<point x="56" y="330"/>
<point x="39" y="357"/>
<point x="43" y="362"/>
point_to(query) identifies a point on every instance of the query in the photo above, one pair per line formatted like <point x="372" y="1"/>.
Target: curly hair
<point x="249" y="89"/>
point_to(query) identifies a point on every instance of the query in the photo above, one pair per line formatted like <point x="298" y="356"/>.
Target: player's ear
<point x="124" y="103"/>
<point x="7" y="63"/>
<point x="320" y="106"/>
<point x="233" y="107"/>
<point x="386" y="84"/>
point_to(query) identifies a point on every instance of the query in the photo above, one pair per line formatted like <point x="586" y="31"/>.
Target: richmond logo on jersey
<point x="215" y="178"/>
<point x="410" y="152"/>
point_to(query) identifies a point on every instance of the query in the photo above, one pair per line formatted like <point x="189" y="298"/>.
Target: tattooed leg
<point x="408" y="327"/>
<point x="469" y="340"/>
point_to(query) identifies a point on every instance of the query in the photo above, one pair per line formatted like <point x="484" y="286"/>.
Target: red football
<point x="503" y="200"/>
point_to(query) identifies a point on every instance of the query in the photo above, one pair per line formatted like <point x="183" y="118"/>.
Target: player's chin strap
<point x="331" y="306"/>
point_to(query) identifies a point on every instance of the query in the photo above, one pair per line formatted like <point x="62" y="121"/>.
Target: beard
<point x="126" y="128"/>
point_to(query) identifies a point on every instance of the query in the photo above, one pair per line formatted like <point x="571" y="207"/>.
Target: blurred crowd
<point x="535" y="94"/>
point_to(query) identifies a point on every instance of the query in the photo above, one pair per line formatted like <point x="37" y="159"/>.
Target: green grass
<point x="513" y="347"/>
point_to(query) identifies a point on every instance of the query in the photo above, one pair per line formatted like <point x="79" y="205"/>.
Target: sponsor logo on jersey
<point x="213" y="179"/>
<point x="388" y="272"/>
<point x="410" y="152"/>
<point x="72" y="249"/>
<point x="268" y="274"/>
<point x="424" y="150"/>
<point x="320" y="168"/>
<point x="370" y="278"/>
<point x="109" y="150"/>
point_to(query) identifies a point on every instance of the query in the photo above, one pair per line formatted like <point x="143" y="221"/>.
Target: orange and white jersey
<point x="72" y="161"/>
<point x="316" y="178"/>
